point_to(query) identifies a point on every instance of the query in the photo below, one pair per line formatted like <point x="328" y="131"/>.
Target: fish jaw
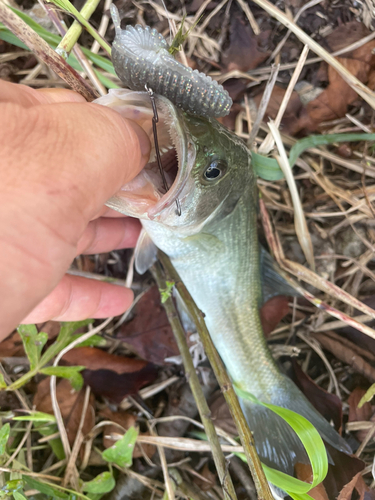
<point x="144" y="197"/>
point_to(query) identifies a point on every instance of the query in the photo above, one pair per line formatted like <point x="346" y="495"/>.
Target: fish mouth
<point x="149" y="195"/>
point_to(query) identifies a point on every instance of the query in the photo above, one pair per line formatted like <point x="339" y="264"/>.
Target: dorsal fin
<point x="145" y="253"/>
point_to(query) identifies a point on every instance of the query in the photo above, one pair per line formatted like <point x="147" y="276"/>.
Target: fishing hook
<point x="155" y="120"/>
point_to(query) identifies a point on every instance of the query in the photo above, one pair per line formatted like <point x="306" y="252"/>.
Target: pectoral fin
<point x="272" y="283"/>
<point x="145" y="253"/>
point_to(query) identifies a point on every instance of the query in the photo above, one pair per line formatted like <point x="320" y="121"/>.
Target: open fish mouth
<point x="146" y="196"/>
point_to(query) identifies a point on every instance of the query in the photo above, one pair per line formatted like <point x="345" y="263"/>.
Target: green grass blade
<point x="268" y="168"/>
<point x="312" y="443"/>
<point x="54" y="40"/>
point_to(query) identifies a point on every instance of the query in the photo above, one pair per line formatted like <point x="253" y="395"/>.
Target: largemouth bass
<point x="214" y="247"/>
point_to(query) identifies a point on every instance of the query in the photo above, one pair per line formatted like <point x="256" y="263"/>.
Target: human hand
<point x="61" y="159"/>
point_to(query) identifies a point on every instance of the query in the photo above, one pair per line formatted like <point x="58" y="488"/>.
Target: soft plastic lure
<point x="140" y="57"/>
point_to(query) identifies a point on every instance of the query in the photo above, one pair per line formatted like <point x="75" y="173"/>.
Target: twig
<point x="43" y="51"/>
<point x="300" y="224"/>
<point x="191" y="375"/>
<point x="269" y="141"/>
<point x="102" y="27"/>
<point x="263" y="105"/>
<point x="81" y="58"/>
<point x="71" y="465"/>
<point x="55" y="404"/>
<point x="244" y="432"/>
<point x="20" y="444"/>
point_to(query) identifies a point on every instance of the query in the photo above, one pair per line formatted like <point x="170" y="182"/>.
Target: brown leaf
<point x="345" y="468"/>
<point x="149" y="333"/>
<point x="272" y="312"/>
<point x="356" y="414"/>
<point x="71" y="406"/>
<point x="243" y="53"/>
<point x="97" y="359"/>
<point x="294" y="110"/>
<point x="304" y="473"/>
<point x="220" y="414"/>
<point x="327" y="404"/>
<point x="109" y="375"/>
<point x="206" y="479"/>
<point x="333" y="102"/>
<point x="11" y="346"/>
<point x="345" y="35"/>
<point x="358" y="484"/>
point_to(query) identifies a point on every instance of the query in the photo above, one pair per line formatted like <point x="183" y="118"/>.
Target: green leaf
<point x="36" y="416"/>
<point x="47" y="489"/>
<point x="103" y="483"/>
<point x="18" y="496"/>
<point x="370" y="393"/>
<point x="69" y="372"/>
<point x="33" y="343"/>
<point x="165" y="293"/>
<point x="121" y="453"/>
<point x="10" y="487"/>
<point x="4" y="435"/>
<point x="312" y="442"/>
<point x="64" y="337"/>
<point x="2" y="382"/>
<point x="268" y="168"/>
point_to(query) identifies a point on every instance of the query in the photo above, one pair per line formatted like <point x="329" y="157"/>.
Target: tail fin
<point x="277" y="444"/>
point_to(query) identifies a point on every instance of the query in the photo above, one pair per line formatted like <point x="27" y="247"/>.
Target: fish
<point x="213" y="244"/>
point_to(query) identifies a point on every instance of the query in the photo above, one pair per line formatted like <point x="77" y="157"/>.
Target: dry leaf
<point x="358" y="484"/>
<point x="109" y="375"/>
<point x="149" y="333"/>
<point x="243" y="53"/>
<point x="220" y="414"/>
<point x="356" y="414"/>
<point x="290" y="122"/>
<point x="71" y="406"/>
<point x="304" y="473"/>
<point x="272" y="312"/>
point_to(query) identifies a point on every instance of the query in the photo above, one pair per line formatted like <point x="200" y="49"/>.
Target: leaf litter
<point x="336" y="191"/>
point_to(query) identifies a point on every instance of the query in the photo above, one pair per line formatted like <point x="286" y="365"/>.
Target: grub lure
<point x="140" y="57"/>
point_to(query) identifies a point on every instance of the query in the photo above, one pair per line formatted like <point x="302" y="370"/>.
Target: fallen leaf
<point x="206" y="479"/>
<point x="149" y="333"/>
<point x="70" y="403"/>
<point x="229" y="121"/>
<point x="220" y="414"/>
<point x="111" y="376"/>
<point x="304" y="473"/>
<point x="358" y="484"/>
<point x="356" y="414"/>
<point x="345" y="351"/>
<point x="272" y="312"/>
<point x="345" y="35"/>
<point x="12" y="346"/>
<point x="345" y="468"/>
<point x="327" y="404"/>
<point x="97" y="359"/>
<point x="246" y="50"/>
<point x="294" y="110"/>
<point x="333" y="102"/>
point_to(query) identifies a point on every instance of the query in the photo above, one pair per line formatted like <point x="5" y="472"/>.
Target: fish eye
<point x="215" y="170"/>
